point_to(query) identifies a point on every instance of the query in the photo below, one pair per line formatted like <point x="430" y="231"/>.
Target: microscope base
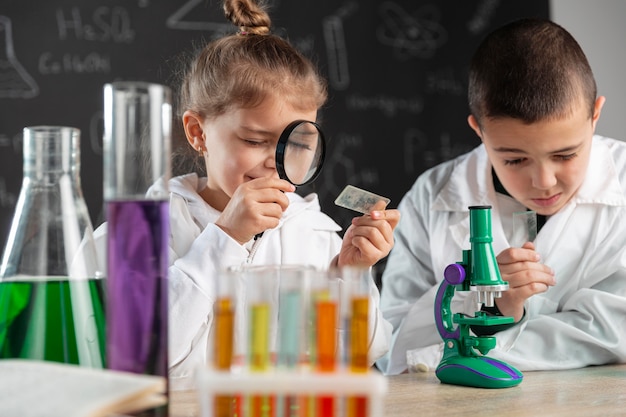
<point x="477" y="371"/>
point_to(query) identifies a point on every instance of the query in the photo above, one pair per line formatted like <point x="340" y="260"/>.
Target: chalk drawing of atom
<point x="411" y="35"/>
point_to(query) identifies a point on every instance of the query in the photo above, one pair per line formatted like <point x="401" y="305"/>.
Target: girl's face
<point x="542" y="165"/>
<point x="241" y="146"/>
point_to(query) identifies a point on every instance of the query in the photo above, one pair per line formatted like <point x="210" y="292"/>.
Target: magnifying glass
<point x="300" y="152"/>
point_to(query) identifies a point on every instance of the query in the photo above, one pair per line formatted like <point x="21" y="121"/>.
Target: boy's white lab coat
<point x="580" y="321"/>
<point x="199" y="250"/>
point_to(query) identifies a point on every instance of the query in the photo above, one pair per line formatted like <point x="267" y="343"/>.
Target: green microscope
<point x="464" y="361"/>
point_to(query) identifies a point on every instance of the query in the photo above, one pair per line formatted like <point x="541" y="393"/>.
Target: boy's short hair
<point x="532" y="70"/>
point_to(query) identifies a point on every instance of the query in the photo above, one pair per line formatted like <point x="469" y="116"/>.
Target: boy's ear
<point x="471" y="120"/>
<point x="597" y="109"/>
<point x="192" y="123"/>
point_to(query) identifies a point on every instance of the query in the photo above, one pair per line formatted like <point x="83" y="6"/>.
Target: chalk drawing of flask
<point x="15" y="82"/>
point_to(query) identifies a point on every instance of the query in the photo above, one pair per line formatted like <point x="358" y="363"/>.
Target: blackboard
<point x="396" y="71"/>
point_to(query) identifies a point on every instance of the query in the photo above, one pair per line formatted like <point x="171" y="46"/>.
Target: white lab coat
<point x="580" y="321"/>
<point x="199" y="250"/>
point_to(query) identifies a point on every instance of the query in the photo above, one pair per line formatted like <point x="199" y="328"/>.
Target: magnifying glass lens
<point x="300" y="152"/>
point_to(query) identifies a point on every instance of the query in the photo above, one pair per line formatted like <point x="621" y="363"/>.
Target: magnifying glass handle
<point x="259" y="235"/>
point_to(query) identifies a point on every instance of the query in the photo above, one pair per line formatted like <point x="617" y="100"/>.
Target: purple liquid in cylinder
<point x="137" y="244"/>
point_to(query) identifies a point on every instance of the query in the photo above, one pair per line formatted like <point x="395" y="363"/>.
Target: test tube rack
<point x="305" y="350"/>
<point x="341" y="385"/>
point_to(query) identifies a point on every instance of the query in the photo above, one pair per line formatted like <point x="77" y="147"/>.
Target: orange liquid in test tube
<point x="357" y="406"/>
<point x="224" y="325"/>
<point x="359" y="335"/>
<point x="223" y="350"/>
<point x="326" y="335"/>
<point x="326" y="347"/>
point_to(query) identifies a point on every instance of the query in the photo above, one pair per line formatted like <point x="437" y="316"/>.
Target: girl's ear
<point x="473" y="123"/>
<point x="192" y="124"/>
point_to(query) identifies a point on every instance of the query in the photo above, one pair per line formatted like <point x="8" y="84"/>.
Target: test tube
<point x="290" y="330"/>
<point x="357" y="286"/>
<point x="262" y="284"/>
<point x="290" y="318"/>
<point x="224" y="319"/>
<point x="325" y="302"/>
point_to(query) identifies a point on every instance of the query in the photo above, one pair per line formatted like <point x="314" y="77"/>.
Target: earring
<point x="199" y="148"/>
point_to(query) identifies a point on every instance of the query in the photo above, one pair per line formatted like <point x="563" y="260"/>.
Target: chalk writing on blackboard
<point x="180" y="19"/>
<point x="482" y="18"/>
<point x="102" y="25"/>
<point x="444" y="80"/>
<point x="336" y="49"/>
<point x="418" y="35"/>
<point x="15" y="82"/>
<point x="387" y="105"/>
<point x="341" y="167"/>
<point x="106" y="24"/>
<point x="419" y="152"/>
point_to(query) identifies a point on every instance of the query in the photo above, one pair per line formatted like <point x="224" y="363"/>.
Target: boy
<point x="533" y="104"/>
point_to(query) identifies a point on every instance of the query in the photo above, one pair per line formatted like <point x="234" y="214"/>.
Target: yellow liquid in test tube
<point x="259" y="337"/>
<point x="260" y="406"/>
<point x="223" y="351"/>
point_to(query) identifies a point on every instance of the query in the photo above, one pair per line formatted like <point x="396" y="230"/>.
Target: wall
<point x="599" y="28"/>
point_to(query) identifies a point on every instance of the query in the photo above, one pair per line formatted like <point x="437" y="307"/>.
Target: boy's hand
<point x="256" y="205"/>
<point x="369" y="238"/>
<point x="526" y="277"/>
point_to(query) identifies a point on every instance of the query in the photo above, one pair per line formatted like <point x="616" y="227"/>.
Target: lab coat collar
<point x="601" y="184"/>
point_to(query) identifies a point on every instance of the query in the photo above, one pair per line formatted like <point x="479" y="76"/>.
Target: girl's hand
<point x="526" y="277"/>
<point x="369" y="238"/>
<point x="256" y="205"/>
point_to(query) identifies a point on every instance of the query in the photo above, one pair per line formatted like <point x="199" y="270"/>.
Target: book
<point x="30" y="388"/>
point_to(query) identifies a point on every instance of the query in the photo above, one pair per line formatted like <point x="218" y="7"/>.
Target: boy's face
<point x="542" y="165"/>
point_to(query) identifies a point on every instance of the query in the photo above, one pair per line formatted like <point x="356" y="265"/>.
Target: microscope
<point x="464" y="361"/>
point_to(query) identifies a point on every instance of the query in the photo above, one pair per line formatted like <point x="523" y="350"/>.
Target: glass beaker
<point x="137" y="130"/>
<point x="51" y="291"/>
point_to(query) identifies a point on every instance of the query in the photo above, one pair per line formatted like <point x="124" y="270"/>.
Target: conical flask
<point x="51" y="296"/>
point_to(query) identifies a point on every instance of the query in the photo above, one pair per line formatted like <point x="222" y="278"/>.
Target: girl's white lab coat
<point x="580" y="321"/>
<point x="199" y="250"/>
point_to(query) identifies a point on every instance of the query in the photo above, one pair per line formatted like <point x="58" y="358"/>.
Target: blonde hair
<point x="242" y="69"/>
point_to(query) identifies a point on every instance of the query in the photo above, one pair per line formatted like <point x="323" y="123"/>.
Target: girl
<point x="236" y="98"/>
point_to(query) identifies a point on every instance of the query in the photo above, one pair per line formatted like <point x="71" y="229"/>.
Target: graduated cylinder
<point x="137" y="134"/>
